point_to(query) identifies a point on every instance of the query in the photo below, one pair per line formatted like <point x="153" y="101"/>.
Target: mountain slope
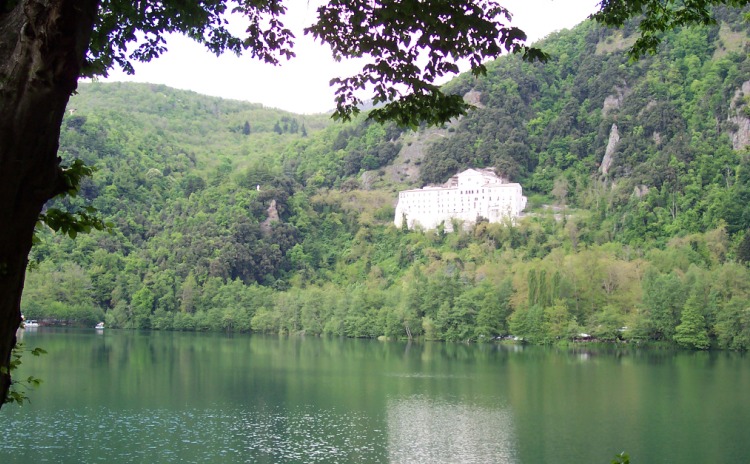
<point x="221" y="228"/>
<point x="644" y="129"/>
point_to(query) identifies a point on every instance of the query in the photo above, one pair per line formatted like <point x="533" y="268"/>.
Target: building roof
<point x="488" y="175"/>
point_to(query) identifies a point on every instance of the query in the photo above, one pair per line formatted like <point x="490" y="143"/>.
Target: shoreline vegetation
<point x="507" y="340"/>
<point x="229" y="216"/>
<point x="461" y="289"/>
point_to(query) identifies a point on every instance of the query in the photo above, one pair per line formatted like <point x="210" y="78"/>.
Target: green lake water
<point x="128" y="397"/>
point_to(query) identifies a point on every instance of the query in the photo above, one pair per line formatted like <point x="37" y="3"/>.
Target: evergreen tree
<point x="692" y="333"/>
<point x="743" y="251"/>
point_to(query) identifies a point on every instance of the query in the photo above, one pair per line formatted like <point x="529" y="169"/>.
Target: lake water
<point x="127" y="397"/>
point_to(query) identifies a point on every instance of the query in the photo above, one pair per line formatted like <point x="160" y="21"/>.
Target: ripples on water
<point x="419" y="430"/>
<point x="164" y="436"/>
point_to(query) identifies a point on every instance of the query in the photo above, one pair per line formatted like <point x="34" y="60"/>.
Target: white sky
<point x="301" y="84"/>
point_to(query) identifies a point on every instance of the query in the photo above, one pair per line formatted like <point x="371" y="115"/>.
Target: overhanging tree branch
<point x="657" y="17"/>
<point x="409" y="45"/>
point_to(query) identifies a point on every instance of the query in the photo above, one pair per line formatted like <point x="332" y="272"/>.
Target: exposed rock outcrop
<point x="273" y="216"/>
<point x="640" y="191"/>
<point x="657" y="138"/>
<point x="614" y="101"/>
<point x="405" y="167"/>
<point x="473" y="97"/>
<point x="737" y="116"/>
<point x="609" y="153"/>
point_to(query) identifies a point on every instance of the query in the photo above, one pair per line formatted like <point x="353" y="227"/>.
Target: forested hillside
<point x="231" y="216"/>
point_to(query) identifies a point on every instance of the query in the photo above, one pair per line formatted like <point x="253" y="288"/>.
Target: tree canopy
<point x="46" y="46"/>
<point x="191" y="251"/>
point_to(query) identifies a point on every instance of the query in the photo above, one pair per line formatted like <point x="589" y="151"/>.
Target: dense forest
<point x="230" y="216"/>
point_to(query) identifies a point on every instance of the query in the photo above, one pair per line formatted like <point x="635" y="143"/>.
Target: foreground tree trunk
<point x="43" y="44"/>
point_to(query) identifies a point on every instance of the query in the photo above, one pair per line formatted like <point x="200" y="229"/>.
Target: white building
<point x="466" y="196"/>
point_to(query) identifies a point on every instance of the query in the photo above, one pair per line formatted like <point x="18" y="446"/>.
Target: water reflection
<point x="423" y="430"/>
<point x="125" y="396"/>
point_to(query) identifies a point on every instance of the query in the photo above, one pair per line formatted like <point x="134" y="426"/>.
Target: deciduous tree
<point x="47" y="45"/>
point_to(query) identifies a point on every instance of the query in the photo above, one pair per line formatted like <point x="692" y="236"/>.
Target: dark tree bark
<point x="43" y="46"/>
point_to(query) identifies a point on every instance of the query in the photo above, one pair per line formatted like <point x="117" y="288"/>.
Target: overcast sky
<point x="301" y="84"/>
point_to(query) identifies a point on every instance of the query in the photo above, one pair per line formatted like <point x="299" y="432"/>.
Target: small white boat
<point x="99" y="326"/>
<point x="31" y="323"/>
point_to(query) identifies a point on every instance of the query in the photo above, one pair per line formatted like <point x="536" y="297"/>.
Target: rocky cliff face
<point x="609" y="153"/>
<point x="737" y="115"/>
